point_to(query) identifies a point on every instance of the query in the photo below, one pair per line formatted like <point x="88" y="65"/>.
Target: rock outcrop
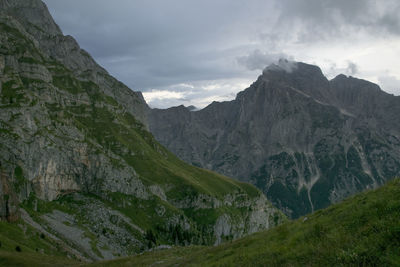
<point x="305" y="141"/>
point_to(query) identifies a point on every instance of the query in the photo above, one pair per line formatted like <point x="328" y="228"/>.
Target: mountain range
<point x="304" y="140"/>
<point x="86" y="171"/>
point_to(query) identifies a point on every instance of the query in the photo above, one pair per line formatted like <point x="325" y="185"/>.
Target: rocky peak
<point x="305" y="141"/>
<point x="38" y="25"/>
<point x="192" y="108"/>
<point x="304" y="78"/>
<point x="349" y="83"/>
<point x="291" y="70"/>
<point x="31" y="13"/>
<point x="360" y="97"/>
<point x="283" y="65"/>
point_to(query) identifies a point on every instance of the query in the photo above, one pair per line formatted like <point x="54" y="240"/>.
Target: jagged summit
<point x="192" y="108"/>
<point x="292" y="68"/>
<point x="281" y="65"/>
<point x="304" y="79"/>
<point x="351" y="82"/>
<point x="340" y="76"/>
<point x="304" y="140"/>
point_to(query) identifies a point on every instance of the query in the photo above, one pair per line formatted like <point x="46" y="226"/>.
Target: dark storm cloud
<point x="153" y="43"/>
<point x="312" y="20"/>
<point x="150" y="44"/>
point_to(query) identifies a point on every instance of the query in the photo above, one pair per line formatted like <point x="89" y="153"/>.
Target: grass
<point x="141" y="212"/>
<point x="70" y="103"/>
<point x="361" y="231"/>
<point x="30" y="259"/>
<point x="21" y="245"/>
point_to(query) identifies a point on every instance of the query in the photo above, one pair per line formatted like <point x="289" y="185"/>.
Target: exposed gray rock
<point x="64" y="226"/>
<point x="302" y="139"/>
<point x="222" y="228"/>
<point x="158" y="191"/>
<point x="27" y="219"/>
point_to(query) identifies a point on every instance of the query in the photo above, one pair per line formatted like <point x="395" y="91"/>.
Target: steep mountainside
<point x="360" y="231"/>
<point x="78" y="166"/>
<point x="305" y="141"/>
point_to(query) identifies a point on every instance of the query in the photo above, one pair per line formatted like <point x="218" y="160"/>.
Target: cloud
<point x="347" y="67"/>
<point x="258" y="60"/>
<point x="352" y="68"/>
<point x="154" y="94"/>
<point x="282" y="65"/>
<point x="198" y="94"/>
<point x="315" y="20"/>
<point x="390" y="84"/>
<point x="154" y="43"/>
<point x="158" y="45"/>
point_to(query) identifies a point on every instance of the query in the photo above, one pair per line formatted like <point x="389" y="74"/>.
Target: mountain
<point x="80" y="175"/>
<point x="360" y="231"/>
<point x="304" y="140"/>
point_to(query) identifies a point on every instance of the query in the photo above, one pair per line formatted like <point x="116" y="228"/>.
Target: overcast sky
<point x="194" y="52"/>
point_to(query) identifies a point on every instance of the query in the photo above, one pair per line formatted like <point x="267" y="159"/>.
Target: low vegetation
<point x="361" y="231"/>
<point x="21" y="245"/>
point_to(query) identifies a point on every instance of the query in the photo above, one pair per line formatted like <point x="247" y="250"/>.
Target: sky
<point x="194" y="52"/>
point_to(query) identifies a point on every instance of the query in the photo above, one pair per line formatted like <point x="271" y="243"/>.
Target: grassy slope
<point x="361" y="231"/>
<point x="74" y="102"/>
<point x="33" y="259"/>
<point x="35" y="249"/>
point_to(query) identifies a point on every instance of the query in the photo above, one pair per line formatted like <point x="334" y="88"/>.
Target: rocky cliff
<point x="78" y="165"/>
<point x="305" y="141"/>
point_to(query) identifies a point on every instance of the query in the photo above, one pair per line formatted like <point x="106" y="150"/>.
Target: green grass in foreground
<point x="21" y="245"/>
<point x="33" y="259"/>
<point x="361" y="231"/>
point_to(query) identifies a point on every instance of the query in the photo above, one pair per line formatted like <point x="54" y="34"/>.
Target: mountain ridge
<point x="40" y="26"/>
<point x="78" y="167"/>
<point x="288" y="130"/>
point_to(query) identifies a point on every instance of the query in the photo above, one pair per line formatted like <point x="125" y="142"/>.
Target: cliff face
<point x="47" y="80"/>
<point x="76" y="156"/>
<point x="305" y="141"/>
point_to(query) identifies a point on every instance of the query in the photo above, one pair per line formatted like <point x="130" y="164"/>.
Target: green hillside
<point x="82" y="180"/>
<point x="361" y="231"/>
<point x="78" y="161"/>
